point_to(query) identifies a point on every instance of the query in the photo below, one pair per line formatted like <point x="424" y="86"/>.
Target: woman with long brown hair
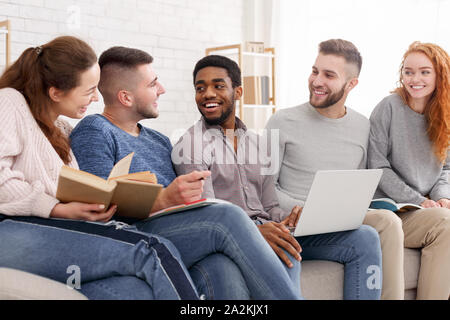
<point x="61" y="78"/>
<point x="409" y="140"/>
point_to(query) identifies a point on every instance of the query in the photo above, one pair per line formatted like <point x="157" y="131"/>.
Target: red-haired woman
<point x="409" y="140"/>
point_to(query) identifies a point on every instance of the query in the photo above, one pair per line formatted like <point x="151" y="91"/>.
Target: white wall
<point x="174" y="32"/>
<point x="382" y="30"/>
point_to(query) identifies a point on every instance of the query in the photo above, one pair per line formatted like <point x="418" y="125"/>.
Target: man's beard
<point x="331" y="100"/>
<point x="147" y="112"/>
<point x="226" y="111"/>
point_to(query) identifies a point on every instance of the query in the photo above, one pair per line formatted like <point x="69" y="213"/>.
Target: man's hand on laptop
<point x="292" y="220"/>
<point x="279" y="238"/>
<point x="184" y="189"/>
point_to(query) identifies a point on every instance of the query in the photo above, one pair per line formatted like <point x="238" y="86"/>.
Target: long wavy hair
<point x="58" y="64"/>
<point x="437" y="110"/>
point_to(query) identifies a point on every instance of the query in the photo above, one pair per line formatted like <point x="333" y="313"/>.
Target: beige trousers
<point x="427" y="229"/>
<point x="389" y="228"/>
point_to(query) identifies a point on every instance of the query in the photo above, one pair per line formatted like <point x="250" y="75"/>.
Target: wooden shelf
<point x="7" y="32"/>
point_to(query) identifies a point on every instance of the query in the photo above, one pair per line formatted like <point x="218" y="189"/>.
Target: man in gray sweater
<point x="324" y="134"/>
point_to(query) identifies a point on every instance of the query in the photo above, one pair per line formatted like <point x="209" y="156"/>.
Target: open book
<point x="133" y="193"/>
<point x="186" y="206"/>
<point x="389" y="204"/>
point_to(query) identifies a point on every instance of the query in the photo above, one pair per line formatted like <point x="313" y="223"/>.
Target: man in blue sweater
<point x="220" y="240"/>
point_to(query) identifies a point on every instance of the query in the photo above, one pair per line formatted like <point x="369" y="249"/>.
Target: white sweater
<point x="29" y="165"/>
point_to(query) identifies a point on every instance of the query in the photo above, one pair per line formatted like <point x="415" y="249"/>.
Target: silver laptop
<point x="338" y="200"/>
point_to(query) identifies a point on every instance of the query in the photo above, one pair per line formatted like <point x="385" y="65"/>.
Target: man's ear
<point x="125" y="98"/>
<point x="238" y="92"/>
<point x="352" y="83"/>
<point x="55" y="94"/>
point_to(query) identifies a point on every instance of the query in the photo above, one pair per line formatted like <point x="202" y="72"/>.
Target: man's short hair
<point x="344" y="49"/>
<point x="124" y="57"/>
<point x="233" y="70"/>
<point x="118" y="70"/>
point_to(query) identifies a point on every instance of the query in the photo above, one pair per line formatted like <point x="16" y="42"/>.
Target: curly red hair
<point x="437" y="111"/>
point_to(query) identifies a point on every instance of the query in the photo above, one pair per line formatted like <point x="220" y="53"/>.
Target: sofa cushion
<point x="19" y="285"/>
<point x="412" y="266"/>
<point x="322" y="280"/>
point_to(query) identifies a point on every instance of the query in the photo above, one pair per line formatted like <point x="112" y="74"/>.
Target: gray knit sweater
<point x="398" y="144"/>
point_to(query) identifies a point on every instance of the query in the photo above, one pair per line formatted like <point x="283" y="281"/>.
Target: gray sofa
<point x="321" y="280"/>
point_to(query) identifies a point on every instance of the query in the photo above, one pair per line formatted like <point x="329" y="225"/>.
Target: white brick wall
<point x="174" y="32"/>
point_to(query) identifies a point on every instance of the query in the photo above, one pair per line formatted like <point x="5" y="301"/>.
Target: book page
<point x="82" y="176"/>
<point x="187" y="206"/>
<point x="122" y="167"/>
<point x="144" y="176"/>
<point x="408" y="207"/>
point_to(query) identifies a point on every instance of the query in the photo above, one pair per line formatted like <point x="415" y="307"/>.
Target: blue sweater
<point x="98" y="145"/>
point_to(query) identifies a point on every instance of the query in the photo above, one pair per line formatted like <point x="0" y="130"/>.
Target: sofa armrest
<point x="19" y="285"/>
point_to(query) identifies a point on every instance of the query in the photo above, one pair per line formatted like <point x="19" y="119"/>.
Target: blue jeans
<point x="360" y="252"/>
<point x="226" y="229"/>
<point x="111" y="261"/>
<point x="216" y="277"/>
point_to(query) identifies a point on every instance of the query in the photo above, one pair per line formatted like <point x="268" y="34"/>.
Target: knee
<point x="441" y="226"/>
<point x="446" y="229"/>
<point x="367" y="234"/>
<point x="230" y="214"/>
<point x="218" y="277"/>
<point x="386" y="220"/>
<point x="163" y="241"/>
<point x="169" y="245"/>
<point x="438" y="214"/>
<point x="296" y="269"/>
<point x="231" y="210"/>
<point x="438" y="217"/>
<point x="367" y="240"/>
<point x="391" y="219"/>
<point x="445" y="225"/>
<point x="218" y="264"/>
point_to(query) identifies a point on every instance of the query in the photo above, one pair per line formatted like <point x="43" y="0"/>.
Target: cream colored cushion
<point x="19" y="285"/>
